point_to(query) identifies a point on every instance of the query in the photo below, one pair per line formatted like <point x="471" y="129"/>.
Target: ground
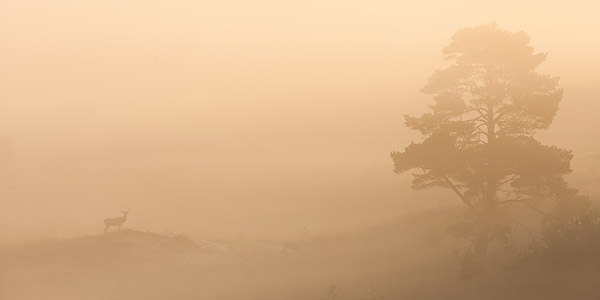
<point x="409" y="259"/>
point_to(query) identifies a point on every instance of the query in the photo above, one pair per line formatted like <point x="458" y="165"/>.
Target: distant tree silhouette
<point x="478" y="138"/>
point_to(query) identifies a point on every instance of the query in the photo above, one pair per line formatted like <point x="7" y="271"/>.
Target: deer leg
<point x="105" y="229"/>
<point x="119" y="227"/>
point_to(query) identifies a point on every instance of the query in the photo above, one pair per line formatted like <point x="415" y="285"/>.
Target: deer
<point x="118" y="221"/>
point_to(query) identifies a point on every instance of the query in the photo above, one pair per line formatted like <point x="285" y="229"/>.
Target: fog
<point x="247" y="119"/>
<point x="236" y="116"/>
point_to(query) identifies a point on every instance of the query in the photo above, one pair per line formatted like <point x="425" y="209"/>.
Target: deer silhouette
<point x="118" y="221"/>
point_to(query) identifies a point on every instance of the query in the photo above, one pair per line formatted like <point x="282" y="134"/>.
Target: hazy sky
<point x="245" y="117"/>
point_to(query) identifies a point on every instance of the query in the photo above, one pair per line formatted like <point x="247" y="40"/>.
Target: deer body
<point x="118" y="221"/>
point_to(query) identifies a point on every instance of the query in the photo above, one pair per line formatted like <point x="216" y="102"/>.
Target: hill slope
<point x="408" y="259"/>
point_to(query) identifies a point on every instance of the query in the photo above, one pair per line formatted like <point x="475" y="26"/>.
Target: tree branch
<point x="502" y="113"/>
<point x="458" y="192"/>
<point x="526" y="202"/>
<point x="524" y="227"/>
<point x="537" y="209"/>
<point x="512" y="178"/>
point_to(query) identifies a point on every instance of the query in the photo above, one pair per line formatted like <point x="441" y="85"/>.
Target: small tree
<point x="573" y="227"/>
<point x="478" y="138"/>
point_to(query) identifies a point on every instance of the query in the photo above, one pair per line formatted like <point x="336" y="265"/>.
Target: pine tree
<point x="478" y="138"/>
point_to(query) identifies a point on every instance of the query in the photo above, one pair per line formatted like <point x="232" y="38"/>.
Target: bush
<point x="572" y="231"/>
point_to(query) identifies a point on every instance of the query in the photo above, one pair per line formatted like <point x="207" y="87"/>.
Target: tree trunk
<point x="488" y="209"/>
<point x="483" y="234"/>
